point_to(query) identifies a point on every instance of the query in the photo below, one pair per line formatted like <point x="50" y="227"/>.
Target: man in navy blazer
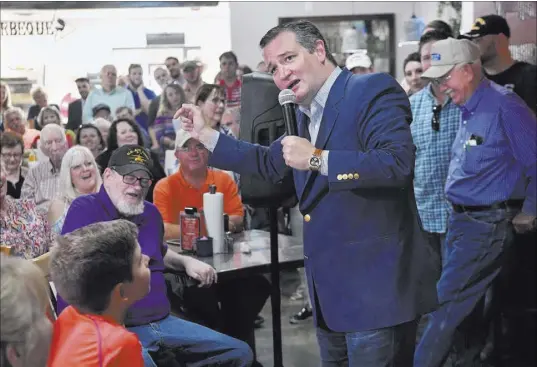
<point x="370" y="271"/>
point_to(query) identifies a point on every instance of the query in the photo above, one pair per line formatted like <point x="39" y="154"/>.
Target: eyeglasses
<point x="131" y="180"/>
<point x="442" y="80"/>
<point x="198" y="147"/>
<point x="12" y="155"/>
<point x="435" y="122"/>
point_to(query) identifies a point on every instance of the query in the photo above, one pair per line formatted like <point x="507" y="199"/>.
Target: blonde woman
<point x="79" y="175"/>
<point x="26" y="330"/>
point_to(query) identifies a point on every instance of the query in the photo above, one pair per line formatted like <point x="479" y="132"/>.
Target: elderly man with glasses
<point x="492" y="174"/>
<point x="125" y="183"/>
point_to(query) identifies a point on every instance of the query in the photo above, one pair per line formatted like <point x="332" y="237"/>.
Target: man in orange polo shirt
<point x="186" y="187"/>
<point x="232" y="306"/>
<point x="101" y="271"/>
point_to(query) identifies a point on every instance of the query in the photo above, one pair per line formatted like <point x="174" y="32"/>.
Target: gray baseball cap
<point x="445" y="54"/>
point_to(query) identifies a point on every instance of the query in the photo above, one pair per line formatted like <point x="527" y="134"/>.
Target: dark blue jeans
<point x="391" y="346"/>
<point x="475" y="246"/>
<point x="193" y="345"/>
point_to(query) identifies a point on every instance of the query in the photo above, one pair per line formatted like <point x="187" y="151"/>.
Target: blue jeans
<point x="193" y="345"/>
<point x="391" y="346"/>
<point x="475" y="245"/>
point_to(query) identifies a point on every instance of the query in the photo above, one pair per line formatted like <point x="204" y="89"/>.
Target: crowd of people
<point x="92" y="191"/>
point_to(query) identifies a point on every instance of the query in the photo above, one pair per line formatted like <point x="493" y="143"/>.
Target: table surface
<point x="291" y="254"/>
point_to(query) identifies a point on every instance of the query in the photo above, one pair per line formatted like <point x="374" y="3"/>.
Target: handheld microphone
<point x="287" y="99"/>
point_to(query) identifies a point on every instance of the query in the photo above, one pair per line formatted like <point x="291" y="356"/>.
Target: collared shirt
<point x="117" y="97"/>
<point x="433" y="150"/>
<point x="98" y="207"/>
<point x="494" y="156"/>
<point x="315" y="114"/>
<point x="42" y="184"/>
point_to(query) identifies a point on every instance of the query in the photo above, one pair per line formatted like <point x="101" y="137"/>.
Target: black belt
<point x="503" y="205"/>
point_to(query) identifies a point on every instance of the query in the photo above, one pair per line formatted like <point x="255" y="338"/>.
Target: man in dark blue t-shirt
<point x="142" y="95"/>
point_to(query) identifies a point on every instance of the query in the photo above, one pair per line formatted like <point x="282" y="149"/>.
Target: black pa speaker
<point x="262" y="123"/>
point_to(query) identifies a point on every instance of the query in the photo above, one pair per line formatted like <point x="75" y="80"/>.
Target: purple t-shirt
<point x="98" y="207"/>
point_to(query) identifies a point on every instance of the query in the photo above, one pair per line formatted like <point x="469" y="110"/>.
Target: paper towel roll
<point x="213" y="208"/>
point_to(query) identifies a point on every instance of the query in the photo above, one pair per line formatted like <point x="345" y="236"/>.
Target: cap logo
<point x="137" y="155"/>
<point x="478" y="23"/>
<point x="435" y="57"/>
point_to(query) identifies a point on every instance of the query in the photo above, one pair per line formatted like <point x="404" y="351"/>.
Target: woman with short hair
<point x="26" y="330"/>
<point x="89" y="136"/>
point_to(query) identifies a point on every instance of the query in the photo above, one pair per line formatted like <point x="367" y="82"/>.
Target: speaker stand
<point x="275" y="297"/>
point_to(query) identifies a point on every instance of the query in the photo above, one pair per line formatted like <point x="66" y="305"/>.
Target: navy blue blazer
<point x="365" y="253"/>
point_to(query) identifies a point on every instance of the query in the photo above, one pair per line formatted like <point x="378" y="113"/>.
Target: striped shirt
<point x="433" y="149"/>
<point x="42" y="184"/>
<point x="494" y="156"/>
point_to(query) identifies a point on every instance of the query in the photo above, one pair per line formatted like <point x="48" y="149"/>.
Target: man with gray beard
<point x="125" y="184"/>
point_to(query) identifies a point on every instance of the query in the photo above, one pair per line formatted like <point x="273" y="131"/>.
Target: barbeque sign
<point x="28" y="28"/>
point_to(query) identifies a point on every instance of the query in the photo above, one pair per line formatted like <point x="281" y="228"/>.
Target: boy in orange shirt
<point x="100" y="271"/>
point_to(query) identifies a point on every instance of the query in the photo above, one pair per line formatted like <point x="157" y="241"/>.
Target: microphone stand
<point x="275" y="297"/>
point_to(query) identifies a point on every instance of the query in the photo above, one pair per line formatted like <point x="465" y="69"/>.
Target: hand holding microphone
<point x="297" y="151"/>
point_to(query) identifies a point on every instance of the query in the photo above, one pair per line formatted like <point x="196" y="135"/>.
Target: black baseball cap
<point x="131" y="158"/>
<point x="489" y="24"/>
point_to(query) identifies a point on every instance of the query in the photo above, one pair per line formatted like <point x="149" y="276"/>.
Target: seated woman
<point x="89" y="136"/>
<point x="90" y="331"/>
<point x="123" y="132"/>
<point x="79" y="175"/>
<point x="125" y="112"/>
<point x="21" y="225"/>
<point x="12" y="152"/>
<point x="26" y="330"/>
<point x="14" y="121"/>
<point x="162" y="131"/>
<point x="211" y="99"/>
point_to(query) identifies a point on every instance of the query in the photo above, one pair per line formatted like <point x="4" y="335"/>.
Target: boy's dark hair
<point x="134" y="66"/>
<point x="440" y="25"/>
<point x="89" y="262"/>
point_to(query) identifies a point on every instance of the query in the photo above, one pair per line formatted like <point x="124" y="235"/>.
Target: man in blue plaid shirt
<point x="436" y="120"/>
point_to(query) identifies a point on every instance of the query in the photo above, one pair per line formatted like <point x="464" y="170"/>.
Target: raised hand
<point x="191" y="119"/>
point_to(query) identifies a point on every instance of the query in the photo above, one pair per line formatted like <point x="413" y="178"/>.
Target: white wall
<point x="92" y="38"/>
<point x="250" y="21"/>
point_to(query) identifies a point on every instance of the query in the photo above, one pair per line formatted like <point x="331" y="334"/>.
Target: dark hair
<point x="307" y="34"/>
<point x="134" y="66"/>
<point x="246" y="69"/>
<point x="432" y="36"/>
<point x="88" y="263"/>
<point x="414" y="56"/>
<point x="82" y="80"/>
<point x="440" y="25"/>
<point x="90" y="126"/>
<point x="10" y="139"/>
<point x="112" y="134"/>
<point x="229" y="55"/>
<point x="172" y="58"/>
<point x="205" y="91"/>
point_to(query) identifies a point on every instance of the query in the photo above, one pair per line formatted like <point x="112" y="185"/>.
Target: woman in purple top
<point x="162" y="131"/>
